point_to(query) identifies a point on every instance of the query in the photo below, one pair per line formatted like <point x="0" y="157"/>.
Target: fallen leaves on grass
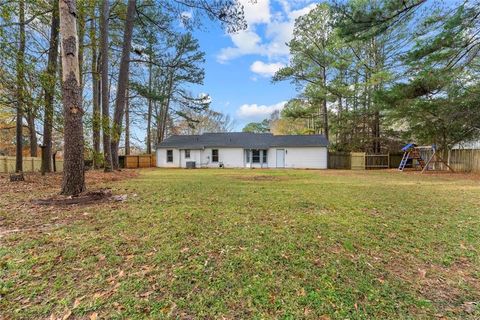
<point x="20" y="202"/>
<point x="422" y="273"/>
<point x="469" y="307"/>
<point x="67" y="315"/>
<point x="77" y="301"/>
<point x="86" y="198"/>
<point x="375" y="255"/>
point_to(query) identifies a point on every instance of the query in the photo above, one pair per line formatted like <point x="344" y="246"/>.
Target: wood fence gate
<point x="358" y="160"/>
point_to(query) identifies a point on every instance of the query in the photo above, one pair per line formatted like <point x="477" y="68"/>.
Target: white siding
<point x="162" y="158"/>
<point x="230" y="157"/>
<point x="195" y="155"/>
<point x="301" y="158"/>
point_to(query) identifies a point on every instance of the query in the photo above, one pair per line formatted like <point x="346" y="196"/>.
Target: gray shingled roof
<point x="242" y="140"/>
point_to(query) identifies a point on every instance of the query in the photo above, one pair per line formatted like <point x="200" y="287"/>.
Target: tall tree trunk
<point x="341" y="130"/>
<point x="95" y="90"/>
<point x="377" y="60"/>
<point x="104" y="15"/>
<point x="149" y="113"/>
<point x="127" y="125"/>
<point x="81" y="28"/>
<point x="366" y="112"/>
<point x="161" y="122"/>
<point x="122" y="82"/>
<point x="54" y="156"/>
<point x="73" y="171"/>
<point x="49" y="90"/>
<point x="325" y="110"/>
<point x="165" y="110"/>
<point x="20" y="87"/>
<point x="32" y="131"/>
<point x="376" y="132"/>
<point x="354" y="130"/>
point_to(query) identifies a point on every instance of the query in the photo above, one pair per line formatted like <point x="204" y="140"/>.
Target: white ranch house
<point x="243" y="150"/>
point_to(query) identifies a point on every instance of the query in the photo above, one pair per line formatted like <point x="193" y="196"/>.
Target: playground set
<point x="423" y="158"/>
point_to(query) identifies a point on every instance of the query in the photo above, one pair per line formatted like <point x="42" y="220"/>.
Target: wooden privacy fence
<point x="377" y="161"/>
<point x="463" y="160"/>
<point x="459" y="160"/>
<point x="395" y="159"/>
<point x="363" y="161"/>
<point x="339" y="160"/>
<point x="142" y="161"/>
<point x="30" y="164"/>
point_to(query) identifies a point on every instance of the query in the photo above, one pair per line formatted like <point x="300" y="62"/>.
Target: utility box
<point x="191" y="165"/>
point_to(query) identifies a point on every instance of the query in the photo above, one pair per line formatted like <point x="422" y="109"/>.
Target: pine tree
<point x="73" y="170"/>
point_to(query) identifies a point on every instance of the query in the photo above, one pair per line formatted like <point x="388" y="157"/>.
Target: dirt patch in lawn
<point x="35" y="205"/>
<point x="261" y="178"/>
<point x="86" y="198"/>
<point x="52" y="182"/>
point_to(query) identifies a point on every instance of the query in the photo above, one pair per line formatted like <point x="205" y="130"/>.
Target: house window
<point x="187" y="154"/>
<point x="214" y="155"/>
<point x="169" y="155"/>
<point x="256" y="156"/>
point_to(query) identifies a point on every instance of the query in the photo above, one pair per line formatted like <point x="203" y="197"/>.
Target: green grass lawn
<point x="253" y="244"/>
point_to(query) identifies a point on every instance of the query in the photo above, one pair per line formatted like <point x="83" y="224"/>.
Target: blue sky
<point x="239" y="66"/>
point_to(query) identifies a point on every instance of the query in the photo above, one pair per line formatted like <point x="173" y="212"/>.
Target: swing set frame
<point x="434" y="158"/>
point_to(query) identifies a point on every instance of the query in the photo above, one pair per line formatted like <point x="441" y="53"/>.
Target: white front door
<point x="280" y="158"/>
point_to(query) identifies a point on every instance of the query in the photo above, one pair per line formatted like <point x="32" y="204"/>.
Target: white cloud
<point x="246" y="42"/>
<point x="258" y="112"/>
<point x="266" y="69"/>
<point x="278" y="30"/>
<point x="256" y="12"/>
